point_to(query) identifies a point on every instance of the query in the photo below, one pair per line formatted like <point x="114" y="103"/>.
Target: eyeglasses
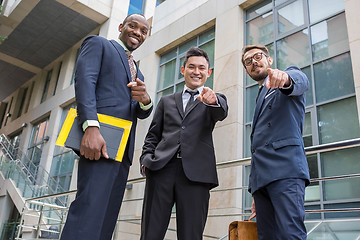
<point x="257" y="56"/>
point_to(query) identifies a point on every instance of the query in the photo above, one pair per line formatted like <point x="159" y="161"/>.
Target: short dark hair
<point x="196" y="52"/>
<point x="127" y="17"/>
<point x="250" y="47"/>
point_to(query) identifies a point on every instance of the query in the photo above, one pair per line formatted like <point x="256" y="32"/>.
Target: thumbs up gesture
<point x="277" y="79"/>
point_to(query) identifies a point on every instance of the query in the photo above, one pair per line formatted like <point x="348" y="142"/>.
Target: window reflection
<point x="333" y="126"/>
<point x="329" y="37"/>
<point x="261" y="29"/>
<point x="320" y="9"/>
<point x="334" y="78"/>
<point x="290" y="17"/>
<point x="293" y="50"/>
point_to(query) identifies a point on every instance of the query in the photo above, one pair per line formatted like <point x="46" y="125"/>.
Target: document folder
<point x="115" y="132"/>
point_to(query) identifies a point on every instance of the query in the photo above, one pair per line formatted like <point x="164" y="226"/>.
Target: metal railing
<point x="128" y="225"/>
<point x="32" y="180"/>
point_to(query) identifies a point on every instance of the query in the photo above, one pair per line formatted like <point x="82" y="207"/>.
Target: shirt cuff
<point x="214" y="105"/>
<point x="145" y="107"/>
<point x="290" y="86"/>
<point x="90" y="123"/>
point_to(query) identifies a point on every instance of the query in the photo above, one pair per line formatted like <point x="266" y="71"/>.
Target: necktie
<point x="259" y="92"/>
<point x="132" y="66"/>
<point x="191" y="100"/>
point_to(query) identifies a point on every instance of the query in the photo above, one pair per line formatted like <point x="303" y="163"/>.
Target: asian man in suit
<point x="279" y="169"/>
<point x="178" y="154"/>
<point x="107" y="81"/>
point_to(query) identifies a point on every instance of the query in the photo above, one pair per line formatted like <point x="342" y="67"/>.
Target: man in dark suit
<point x="279" y="170"/>
<point x="107" y="81"/>
<point x="178" y="155"/>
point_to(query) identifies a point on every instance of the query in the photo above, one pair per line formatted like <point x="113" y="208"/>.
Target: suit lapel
<point x="196" y="102"/>
<point x="123" y="57"/>
<point x="179" y="103"/>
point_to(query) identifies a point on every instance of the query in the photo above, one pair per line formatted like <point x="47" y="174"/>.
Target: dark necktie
<point x="257" y="97"/>
<point x="132" y="66"/>
<point x="191" y="99"/>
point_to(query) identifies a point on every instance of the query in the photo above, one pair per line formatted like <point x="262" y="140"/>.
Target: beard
<point x="258" y="77"/>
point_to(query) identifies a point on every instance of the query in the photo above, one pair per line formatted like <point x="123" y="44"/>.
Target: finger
<point x="139" y="82"/>
<point x="270" y="79"/>
<point x="97" y="155"/>
<point x="286" y="80"/>
<point x="270" y="72"/>
<point x="274" y="79"/>
<point x="89" y="155"/>
<point x="131" y="84"/>
<point x="267" y="84"/>
<point x="104" y="151"/>
<point x="253" y="215"/>
<point x="200" y="98"/>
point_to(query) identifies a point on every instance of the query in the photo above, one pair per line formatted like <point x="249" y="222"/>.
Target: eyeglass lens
<point x="256" y="56"/>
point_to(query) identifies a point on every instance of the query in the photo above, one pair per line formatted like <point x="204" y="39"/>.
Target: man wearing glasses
<point x="279" y="169"/>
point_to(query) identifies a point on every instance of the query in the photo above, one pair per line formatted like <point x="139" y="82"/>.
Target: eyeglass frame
<point x="250" y="59"/>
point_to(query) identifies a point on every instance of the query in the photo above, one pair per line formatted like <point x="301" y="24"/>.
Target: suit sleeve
<point x="219" y="113"/>
<point x="86" y="76"/>
<point x="142" y="114"/>
<point x="299" y="79"/>
<point x="154" y="134"/>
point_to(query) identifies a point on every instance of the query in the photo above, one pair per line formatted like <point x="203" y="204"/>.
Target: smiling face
<point x="257" y="69"/>
<point x="133" y="31"/>
<point x="195" y="72"/>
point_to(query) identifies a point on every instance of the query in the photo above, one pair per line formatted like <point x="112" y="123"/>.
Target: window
<point x="158" y="2"/>
<point x="57" y="78"/>
<point x="73" y="74"/>
<point x="46" y="86"/>
<point x="29" y="97"/>
<point x="36" y="144"/>
<point x="21" y="101"/>
<point x="63" y="161"/>
<point x="136" y="6"/>
<point x="3" y="107"/>
<point x="312" y="34"/>
<point x="15" y="144"/>
<point x="170" y="78"/>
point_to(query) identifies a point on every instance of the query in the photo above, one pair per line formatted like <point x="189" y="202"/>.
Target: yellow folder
<point x="115" y="132"/>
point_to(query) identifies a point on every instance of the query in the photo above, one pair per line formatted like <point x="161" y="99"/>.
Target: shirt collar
<point x="123" y="45"/>
<point x="199" y="89"/>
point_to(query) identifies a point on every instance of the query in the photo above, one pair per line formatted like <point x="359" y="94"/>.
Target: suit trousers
<point x="280" y="210"/>
<point x="93" y="213"/>
<point x="165" y="187"/>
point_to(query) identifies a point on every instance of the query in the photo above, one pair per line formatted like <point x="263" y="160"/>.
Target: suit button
<point x="269" y="124"/>
<point x="252" y="135"/>
<point x="252" y="150"/>
<point x="182" y="127"/>
<point x="266" y="144"/>
<point x="269" y="106"/>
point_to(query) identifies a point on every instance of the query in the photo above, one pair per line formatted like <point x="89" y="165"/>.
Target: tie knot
<point x="192" y="93"/>
<point x="128" y="54"/>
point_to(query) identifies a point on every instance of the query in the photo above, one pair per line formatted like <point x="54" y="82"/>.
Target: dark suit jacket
<point x="102" y="73"/>
<point x="171" y="129"/>
<point x="276" y="139"/>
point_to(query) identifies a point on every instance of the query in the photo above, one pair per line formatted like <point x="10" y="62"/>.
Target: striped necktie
<point x="191" y="99"/>
<point x="132" y="66"/>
